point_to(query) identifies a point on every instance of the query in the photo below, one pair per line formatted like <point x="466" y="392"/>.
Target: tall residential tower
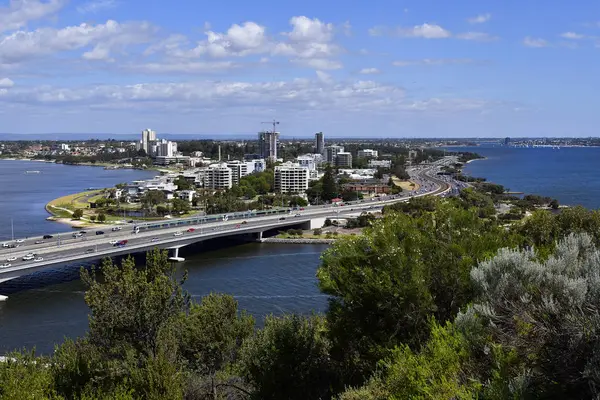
<point x="319" y="143"/>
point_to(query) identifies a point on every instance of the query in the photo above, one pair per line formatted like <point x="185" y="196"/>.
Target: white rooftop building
<point x="291" y="178"/>
<point x="218" y="176"/>
<point x="367" y="153"/>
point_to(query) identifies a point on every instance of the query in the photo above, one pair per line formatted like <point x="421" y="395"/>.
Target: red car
<point x="191" y="230"/>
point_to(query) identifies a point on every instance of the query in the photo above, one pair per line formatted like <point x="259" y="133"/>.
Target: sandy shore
<point x="76" y="223"/>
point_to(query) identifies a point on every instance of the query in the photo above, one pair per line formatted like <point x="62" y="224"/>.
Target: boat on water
<point x="32" y="172"/>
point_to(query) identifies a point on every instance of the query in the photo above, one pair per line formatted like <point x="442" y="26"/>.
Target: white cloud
<point x="6" y="83"/>
<point x="23" y="45"/>
<point x="480" y="19"/>
<point x="99" y="53"/>
<point x="535" y="42"/>
<point x="323" y="76"/>
<point x="93" y="7"/>
<point x="572" y="35"/>
<point x="369" y="71"/>
<point x="19" y="12"/>
<point x="426" y="31"/>
<point x="318" y="63"/>
<point x="305" y="29"/>
<point x="439" y="61"/>
<point x="184" y="66"/>
<point x="305" y="95"/>
<point x="309" y="43"/>
<point x="477" y="36"/>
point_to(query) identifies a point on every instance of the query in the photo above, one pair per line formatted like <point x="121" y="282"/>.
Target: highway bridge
<point x="174" y="234"/>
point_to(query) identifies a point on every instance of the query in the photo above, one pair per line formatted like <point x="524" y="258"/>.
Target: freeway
<point x="180" y="232"/>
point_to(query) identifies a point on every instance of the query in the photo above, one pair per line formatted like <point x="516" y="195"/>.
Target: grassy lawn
<point x="405" y="185"/>
<point x="75" y="201"/>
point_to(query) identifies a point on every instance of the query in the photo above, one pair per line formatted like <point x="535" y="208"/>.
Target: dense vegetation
<point x="438" y="300"/>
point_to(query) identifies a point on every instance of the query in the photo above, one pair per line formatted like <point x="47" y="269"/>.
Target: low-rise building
<point x="291" y="178"/>
<point x="368" y="188"/>
<point x="186" y="195"/>
<point x="165" y="160"/>
<point x="380" y="163"/>
<point x="367" y="153"/>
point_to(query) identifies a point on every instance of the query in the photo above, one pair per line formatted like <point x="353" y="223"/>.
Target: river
<point x="569" y="174"/>
<point x="44" y="308"/>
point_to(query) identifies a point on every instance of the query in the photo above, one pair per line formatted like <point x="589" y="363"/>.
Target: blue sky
<point x="380" y="68"/>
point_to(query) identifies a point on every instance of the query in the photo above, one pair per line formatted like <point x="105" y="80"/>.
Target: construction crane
<point x="274" y="123"/>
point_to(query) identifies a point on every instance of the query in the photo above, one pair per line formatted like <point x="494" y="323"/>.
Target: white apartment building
<point x="367" y="153"/>
<point x="380" y="163"/>
<point x="291" y="178"/>
<point x="331" y="153"/>
<point x="166" y="148"/>
<point x="343" y="159"/>
<point x="238" y="170"/>
<point x="218" y="176"/>
<point x="257" y="165"/>
<point x="307" y="161"/>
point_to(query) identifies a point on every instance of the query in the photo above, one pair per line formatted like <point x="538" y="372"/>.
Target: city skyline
<point x="390" y="69"/>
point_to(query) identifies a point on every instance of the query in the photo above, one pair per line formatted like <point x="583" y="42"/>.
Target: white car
<point x="19" y="240"/>
<point x="28" y="257"/>
<point x="113" y="242"/>
<point x="5" y="265"/>
<point x="38" y="259"/>
<point x="178" y="234"/>
<point x="116" y="228"/>
<point x="9" y="259"/>
<point x="5" y="245"/>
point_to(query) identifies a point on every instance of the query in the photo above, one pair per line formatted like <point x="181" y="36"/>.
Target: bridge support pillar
<point x="259" y="236"/>
<point x="176" y="257"/>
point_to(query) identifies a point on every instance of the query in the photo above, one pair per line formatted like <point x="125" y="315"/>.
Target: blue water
<point x="23" y="196"/>
<point x="569" y="174"/>
<point x="43" y="309"/>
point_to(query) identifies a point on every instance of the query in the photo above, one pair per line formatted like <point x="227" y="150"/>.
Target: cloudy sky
<point x="391" y="68"/>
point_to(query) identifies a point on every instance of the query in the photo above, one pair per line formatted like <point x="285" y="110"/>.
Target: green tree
<point x="330" y="189"/>
<point x="213" y="332"/>
<point x="101" y="217"/>
<point x="93" y="218"/>
<point x="133" y="308"/>
<point x="386" y="284"/>
<point x="152" y="198"/>
<point x="288" y="359"/>
<point x="180" y="205"/>
<point x="24" y="376"/>
<point x="543" y="318"/>
<point x="77" y="214"/>
<point x="183" y="184"/>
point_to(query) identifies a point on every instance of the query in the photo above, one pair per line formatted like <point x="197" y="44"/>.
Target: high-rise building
<point x="166" y="148"/>
<point x="291" y="178"/>
<point x="319" y="143"/>
<point x="332" y="152"/>
<point x="218" y="176"/>
<point x="238" y="169"/>
<point x="343" y="159"/>
<point x="267" y="144"/>
<point x="148" y="136"/>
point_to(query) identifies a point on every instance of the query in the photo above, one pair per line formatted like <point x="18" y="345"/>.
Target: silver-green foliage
<point x="543" y="319"/>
